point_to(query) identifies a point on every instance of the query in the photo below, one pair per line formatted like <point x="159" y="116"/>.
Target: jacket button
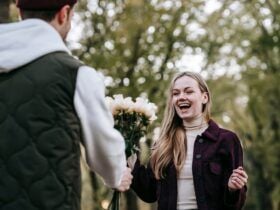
<point x="198" y="156"/>
<point x="201" y="140"/>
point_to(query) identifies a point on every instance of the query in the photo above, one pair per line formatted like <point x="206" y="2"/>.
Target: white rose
<point x="140" y="105"/>
<point x="118" y="103"/>
<point x="128" y="104"/>
<point x="110" y="103"/>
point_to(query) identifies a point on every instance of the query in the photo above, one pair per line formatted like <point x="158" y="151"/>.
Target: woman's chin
<point x="186" y="117"/>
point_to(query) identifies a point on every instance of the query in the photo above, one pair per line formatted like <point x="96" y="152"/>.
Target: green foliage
<point x="4" y="11"/>
<point x="251" y="34"/>
<point x="133" y="45"/>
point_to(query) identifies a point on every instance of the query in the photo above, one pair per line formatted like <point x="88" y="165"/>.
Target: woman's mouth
<point x="184" y="106"/>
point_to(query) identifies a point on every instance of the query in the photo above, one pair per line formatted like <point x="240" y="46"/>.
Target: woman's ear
<point x="205" y="98"/>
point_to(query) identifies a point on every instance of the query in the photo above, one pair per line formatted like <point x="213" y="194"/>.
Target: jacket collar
<point x="212" y="132"/>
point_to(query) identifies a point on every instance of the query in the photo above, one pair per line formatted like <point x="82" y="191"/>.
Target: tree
<point x="4" y="11"/>
<point x="247" y="34"/>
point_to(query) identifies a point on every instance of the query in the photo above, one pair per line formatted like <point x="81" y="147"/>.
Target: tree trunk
<point x="4" y="11"/>
<point x="153" y="206"/>
<point x="96" y="195"/>
<point x="262" y="187"/>
<point x="131" y="201"/>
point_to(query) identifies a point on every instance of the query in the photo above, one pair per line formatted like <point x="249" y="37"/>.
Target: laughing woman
<point x="194" y="164"/>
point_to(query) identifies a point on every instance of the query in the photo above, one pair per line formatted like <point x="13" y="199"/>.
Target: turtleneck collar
<point x="195" y="124"/>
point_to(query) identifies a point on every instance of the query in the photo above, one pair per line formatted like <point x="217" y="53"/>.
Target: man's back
<point x="47" y="99"/>
<point x="40" y="135"/>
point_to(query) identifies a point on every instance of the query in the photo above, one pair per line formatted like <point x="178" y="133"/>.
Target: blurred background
<point x="139" y="44"/>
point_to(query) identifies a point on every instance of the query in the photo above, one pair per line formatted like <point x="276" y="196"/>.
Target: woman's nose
<point x="182" y="95"/>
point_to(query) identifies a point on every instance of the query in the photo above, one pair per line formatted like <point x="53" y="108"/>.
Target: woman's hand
<point x="238" y="179"/>
<point x="131" y="161"/>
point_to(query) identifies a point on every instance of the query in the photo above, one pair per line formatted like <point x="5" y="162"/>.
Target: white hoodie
<point x="25" y="41"/>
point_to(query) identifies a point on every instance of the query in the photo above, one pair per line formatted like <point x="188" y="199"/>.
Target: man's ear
<point x="63" y="14"/>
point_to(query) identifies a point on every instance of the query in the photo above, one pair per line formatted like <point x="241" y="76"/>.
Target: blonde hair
<point x="171" y="144"/>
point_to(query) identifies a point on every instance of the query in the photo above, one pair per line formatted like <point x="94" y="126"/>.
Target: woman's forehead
<point x="185" y="82"/>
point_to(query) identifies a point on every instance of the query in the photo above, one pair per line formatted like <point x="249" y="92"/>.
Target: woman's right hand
<point x="237" y="179"/>
<point x="131" y="161"/>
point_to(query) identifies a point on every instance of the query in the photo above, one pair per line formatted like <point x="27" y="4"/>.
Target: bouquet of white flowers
<point x="131" y="119"/>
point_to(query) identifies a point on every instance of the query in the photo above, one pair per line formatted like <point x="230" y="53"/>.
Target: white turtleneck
<point x="186" y="195"/>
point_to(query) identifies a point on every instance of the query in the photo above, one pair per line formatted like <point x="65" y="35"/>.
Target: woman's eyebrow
<point x="174" y="89"/>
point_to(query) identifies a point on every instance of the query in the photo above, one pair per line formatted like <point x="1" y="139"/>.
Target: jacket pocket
<point x="213" y="182"/>
<point x="215" y="168"/>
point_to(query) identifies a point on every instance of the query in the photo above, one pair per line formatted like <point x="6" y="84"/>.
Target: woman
<point x="194" y="164"/>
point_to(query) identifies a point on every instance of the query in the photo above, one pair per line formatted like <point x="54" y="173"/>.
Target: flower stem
<point x="115" y="202"/>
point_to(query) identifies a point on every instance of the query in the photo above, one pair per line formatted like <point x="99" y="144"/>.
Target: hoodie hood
<point x="25" y="41"/>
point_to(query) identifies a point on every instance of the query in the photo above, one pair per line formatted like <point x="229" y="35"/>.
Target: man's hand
<point x="126" y="180"/>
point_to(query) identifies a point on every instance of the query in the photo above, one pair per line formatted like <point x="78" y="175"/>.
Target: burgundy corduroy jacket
<point x="216" y="153"/>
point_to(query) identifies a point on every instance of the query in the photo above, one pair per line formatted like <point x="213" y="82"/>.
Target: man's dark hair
<point x="47" y="15"/>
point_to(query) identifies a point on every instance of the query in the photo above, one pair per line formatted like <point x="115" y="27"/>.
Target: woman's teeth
<point x="184" y="106"/>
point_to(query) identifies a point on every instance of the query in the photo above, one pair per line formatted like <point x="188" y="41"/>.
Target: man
<point x="49" y="103"/>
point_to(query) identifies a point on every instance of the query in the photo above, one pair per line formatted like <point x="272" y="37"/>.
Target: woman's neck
<point x="195" y="123"/>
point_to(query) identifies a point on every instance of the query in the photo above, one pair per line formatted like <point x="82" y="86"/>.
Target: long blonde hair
<point x="171" y="144"/>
